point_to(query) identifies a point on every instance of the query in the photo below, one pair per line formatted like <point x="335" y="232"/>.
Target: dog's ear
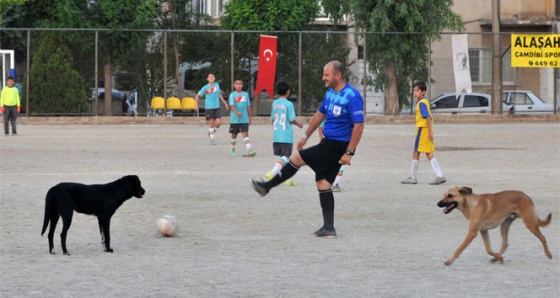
<point x="465" y="191"/>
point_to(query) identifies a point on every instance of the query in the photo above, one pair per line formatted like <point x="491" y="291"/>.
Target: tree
<point x="179" y="14"/>
<point x="284" y="18"/>
<point x="115" y="44"/>
<point x="56" y="88"/>
<point x="115" y="15"/>
<point x="397" y="58"/>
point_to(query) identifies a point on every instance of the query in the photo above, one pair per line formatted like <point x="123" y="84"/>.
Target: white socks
<point x="435" y="166"/>
<point x="338" y="178"/>
<point x="278" y="165"/>
<point x="414" y="168"/>
<point x="247" y="142"/>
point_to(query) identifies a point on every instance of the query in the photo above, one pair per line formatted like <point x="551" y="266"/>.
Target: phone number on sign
<point x="544" y="63"/>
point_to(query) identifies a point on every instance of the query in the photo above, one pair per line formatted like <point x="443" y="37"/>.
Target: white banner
<point x="461" y="63"/>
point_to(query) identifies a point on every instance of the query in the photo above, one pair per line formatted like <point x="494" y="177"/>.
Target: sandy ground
<point x="392" y="240"/>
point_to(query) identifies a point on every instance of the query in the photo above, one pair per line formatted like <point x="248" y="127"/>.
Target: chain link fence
<point x="67" y="72"/>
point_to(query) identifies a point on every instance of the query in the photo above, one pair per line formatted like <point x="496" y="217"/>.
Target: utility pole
<point x="496" y="59"/>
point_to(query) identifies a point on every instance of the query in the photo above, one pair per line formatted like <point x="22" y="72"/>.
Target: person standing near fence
<point x="283" y="116"/>
<point x="343" y="109"/>
<point x="10" y="105"/>
<point x="212" y="97"/>
<point x="240" y="118"/>
<point x="424" y="142"/>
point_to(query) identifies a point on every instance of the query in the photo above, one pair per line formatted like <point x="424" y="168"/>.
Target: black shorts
<point x="282" y="149"/>
<point x="323" y="158"/>
<point x="212" y="114"/>
<point x="236" y="128"/>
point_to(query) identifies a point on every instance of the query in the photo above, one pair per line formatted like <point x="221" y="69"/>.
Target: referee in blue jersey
<point x="343" y="109"/>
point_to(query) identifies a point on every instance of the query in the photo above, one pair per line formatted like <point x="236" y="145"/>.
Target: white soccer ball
<point x="167" y="225"/>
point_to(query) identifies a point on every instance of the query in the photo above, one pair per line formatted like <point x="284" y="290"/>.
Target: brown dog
<point x="488" y="211"/>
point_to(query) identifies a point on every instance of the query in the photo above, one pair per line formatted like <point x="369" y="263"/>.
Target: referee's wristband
<point x="304" y="136"/>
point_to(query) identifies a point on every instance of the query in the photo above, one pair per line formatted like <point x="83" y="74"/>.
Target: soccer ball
<point x="167" y="225"/>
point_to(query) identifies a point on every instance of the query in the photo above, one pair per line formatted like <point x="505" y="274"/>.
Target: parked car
<point x="518" y="101"/>
<point x="115" y="94"/>
<point x="524" y="102"/>
<point x="473" y="102"/>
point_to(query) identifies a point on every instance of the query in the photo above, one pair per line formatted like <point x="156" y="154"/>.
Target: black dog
<point x="101" y="200"/>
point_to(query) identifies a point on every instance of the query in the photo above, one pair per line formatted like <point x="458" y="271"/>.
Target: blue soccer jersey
<point x="342" y="110"/>
<point x="281" y="114"/>
<point x="211" y="96"/>
<point x="241" y="102"/>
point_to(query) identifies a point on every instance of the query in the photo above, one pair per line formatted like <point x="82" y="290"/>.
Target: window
<point x="472" y="101"/>
<point x="481" y="66"/>
<point x="519" y="99"/>
<point x="447" y="102"/>
<point x="213" y="8"/>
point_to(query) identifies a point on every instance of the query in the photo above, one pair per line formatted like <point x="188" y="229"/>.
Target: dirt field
<point x="392" y="240"/>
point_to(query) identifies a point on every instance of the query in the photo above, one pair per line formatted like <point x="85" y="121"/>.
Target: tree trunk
<point x="177" y="75"/>
<point x="391" y="90"/>
<point x="108" y="88"/>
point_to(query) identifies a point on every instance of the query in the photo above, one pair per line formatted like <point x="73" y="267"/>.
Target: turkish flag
<point x="267" y="65"/>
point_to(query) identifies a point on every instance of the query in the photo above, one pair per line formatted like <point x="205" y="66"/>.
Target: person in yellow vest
<point x="10" y="106"/>
<point x="424" y="142"/>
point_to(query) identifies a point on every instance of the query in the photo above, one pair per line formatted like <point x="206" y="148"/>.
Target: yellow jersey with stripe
<point x="423" y="111"/>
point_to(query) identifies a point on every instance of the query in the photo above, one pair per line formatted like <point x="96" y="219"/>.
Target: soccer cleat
<point x="258" y="186"/>
<point x="212" y="142"/>
<point x="290" y="182"/>
<point x="409" y="180"/>
<point x="336" y="188"/>
<point x="438" y="181"/>
<point x="325" y="233"/>
<point x="269" y="176"/>
<point x="252" y="153"/>
<point x="232" y="153"/>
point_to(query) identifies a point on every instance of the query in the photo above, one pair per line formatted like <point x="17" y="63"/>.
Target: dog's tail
<point x="544" y="223"/>
<point x="48" y="204"/>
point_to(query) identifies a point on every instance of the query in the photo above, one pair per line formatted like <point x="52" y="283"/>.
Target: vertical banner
<point x="267" y="65"/>
<point x="461" y="68"/>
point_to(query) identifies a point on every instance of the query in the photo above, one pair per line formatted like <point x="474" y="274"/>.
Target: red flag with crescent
<point x="267" y="65"/>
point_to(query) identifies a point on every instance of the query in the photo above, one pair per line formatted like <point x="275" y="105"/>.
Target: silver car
<point x="513" y="101"/>
<point x="524" y="102"/>
<point x="452" y="102"/>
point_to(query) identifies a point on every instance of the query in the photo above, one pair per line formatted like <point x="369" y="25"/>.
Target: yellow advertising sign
<point x="535" y="50"/>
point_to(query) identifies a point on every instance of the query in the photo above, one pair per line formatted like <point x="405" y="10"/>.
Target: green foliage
<point x="336" y="9"/>
<point x="9" y="10"/>
<point x="12" y="15"/>
<point x="268" y="16"/>
<point x="422" y="19"/>
<point x="56" y="88"/>
<point x="284" y="18"/>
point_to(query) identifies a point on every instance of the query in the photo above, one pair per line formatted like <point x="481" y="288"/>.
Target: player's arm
<point x="249" y="114"/>
<point x="354" y="141"/>
<point x="224" y="101"/>
<point x="430" y="130"/>
<point x="295" y="122"/>
<point x="426" y="115"/>
<point x="196" y="100"/>
<point x="315" y="122"/>
<point x="2" y="101"/>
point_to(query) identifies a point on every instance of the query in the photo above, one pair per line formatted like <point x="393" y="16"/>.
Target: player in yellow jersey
<point x="424" y="142"/>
